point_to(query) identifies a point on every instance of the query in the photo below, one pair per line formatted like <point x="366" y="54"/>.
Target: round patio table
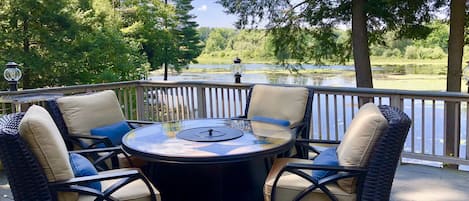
<point x="209" y="159"/>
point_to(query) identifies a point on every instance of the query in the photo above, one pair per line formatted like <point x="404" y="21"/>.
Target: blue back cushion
<point x="82" y="167"/>
<point x="114" y="132"/>
<point x="280" y="122"/>
<point x="326" y="157"/>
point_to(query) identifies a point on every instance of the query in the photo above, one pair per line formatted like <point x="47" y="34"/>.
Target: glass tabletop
<point x="160" y="142"/>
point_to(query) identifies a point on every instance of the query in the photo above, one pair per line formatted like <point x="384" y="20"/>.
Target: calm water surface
<point x="335" y="75"/>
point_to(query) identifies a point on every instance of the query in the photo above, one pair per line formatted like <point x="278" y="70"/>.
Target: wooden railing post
<point x="140" y="103"/>
<point x="396" y="102"/>
<point x="201" y="104"/>
<point x="452" y="131"/>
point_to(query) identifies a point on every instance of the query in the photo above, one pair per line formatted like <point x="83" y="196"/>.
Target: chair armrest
<point x="100" y="177"/>
<point x="127" y="176"/>
<point x="111" y="153"/>
<point x="296" y="125"/>
<point x="98" y="150"/>
<point x="95" y="138"/>
<point x="242" y="117"/>
<point x="306" y="141"/>
<point x="138" y="123"/>
<point x="353" y="169"/>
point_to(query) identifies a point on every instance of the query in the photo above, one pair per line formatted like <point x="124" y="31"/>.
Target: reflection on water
<point x="314" y="75"/>
<point x="412" y="69"/>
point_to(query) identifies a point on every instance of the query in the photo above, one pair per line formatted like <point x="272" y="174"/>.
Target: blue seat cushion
<point x="114" y="132"/>
<point x="280" y="122"/>
<point x="326" y="157"/>
<point x="82" y="167"/>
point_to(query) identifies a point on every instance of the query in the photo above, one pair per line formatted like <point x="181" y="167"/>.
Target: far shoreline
<point x="375" y="61"/>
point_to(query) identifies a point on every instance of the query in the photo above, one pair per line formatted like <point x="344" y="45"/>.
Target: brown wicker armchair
<point x="365" y="177"/>
<point x="40" y="170"/>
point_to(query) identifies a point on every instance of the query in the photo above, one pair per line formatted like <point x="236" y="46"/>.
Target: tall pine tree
<point x="167" y="32"/>
<point x="188" y="43"/>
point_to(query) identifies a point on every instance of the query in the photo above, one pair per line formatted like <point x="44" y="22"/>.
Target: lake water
<point x="335" y="75"/>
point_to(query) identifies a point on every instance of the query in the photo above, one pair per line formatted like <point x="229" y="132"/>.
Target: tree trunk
<point x="361" y="54"/>
<point x="455" y="45"/>
<point x="453" y="79"/>
<point x="26" y="49"/>
<point x="165" y="76"/>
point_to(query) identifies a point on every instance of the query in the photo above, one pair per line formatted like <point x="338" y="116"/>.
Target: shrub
<point x="437" y="53"/>
<point x="411" y="52"/>
<point x="392" y="53"/>
<point x="424" y="53"/>
<point x="377" y="51"/>
<point x="432" y="53"/>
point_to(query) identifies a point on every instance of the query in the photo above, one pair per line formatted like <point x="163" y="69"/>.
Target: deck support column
<point x="452" y="131"/>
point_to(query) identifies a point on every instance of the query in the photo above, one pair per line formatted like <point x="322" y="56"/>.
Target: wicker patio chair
<point x="293" y="104"/>
<point x="77" y="115"/>
<point x="34" y="173"/>
<point x="369" y="179"/>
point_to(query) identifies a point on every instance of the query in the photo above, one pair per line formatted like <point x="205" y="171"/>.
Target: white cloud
<point x="202" y="8"/>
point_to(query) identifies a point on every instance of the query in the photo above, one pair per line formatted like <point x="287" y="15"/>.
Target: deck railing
<point x="333" y="110"/>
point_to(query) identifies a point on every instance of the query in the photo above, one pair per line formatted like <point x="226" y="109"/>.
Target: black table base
<point x="235" y="181"/>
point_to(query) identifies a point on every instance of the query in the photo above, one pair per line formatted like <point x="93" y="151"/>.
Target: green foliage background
<point x="222" y="45"/>
<point x="69" y="42"/>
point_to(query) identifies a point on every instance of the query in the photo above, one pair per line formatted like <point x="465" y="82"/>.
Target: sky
<point x="210" y="14"/>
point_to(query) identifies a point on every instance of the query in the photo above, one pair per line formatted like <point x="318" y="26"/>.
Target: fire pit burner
<point x="210" y="134"/>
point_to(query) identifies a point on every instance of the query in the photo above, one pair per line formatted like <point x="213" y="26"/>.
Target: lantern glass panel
<point x="12" y="74"/>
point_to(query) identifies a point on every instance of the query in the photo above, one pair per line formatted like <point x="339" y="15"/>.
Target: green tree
<point x="101" y="49"/>
<point x="293" y="22"/>
<point x="188" y="42"/>
<point x="167" y="32"/>
<point x="64" y="43"/>
<point x="218" y="40"/>
<point x="149" y="22"/>
<point x="204" y="32"/>
<point x="28" y="29"/>
<point x="247" y="44"/>
<point x="437" y="38"/>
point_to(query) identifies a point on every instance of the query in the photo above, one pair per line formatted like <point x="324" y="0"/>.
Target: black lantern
<point x="12" y="75"/>
<point x="237" y="69"/>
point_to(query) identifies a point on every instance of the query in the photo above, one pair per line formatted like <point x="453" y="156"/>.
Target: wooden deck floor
<point x="423" y="183"/>
<point x="412" y="183"/>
